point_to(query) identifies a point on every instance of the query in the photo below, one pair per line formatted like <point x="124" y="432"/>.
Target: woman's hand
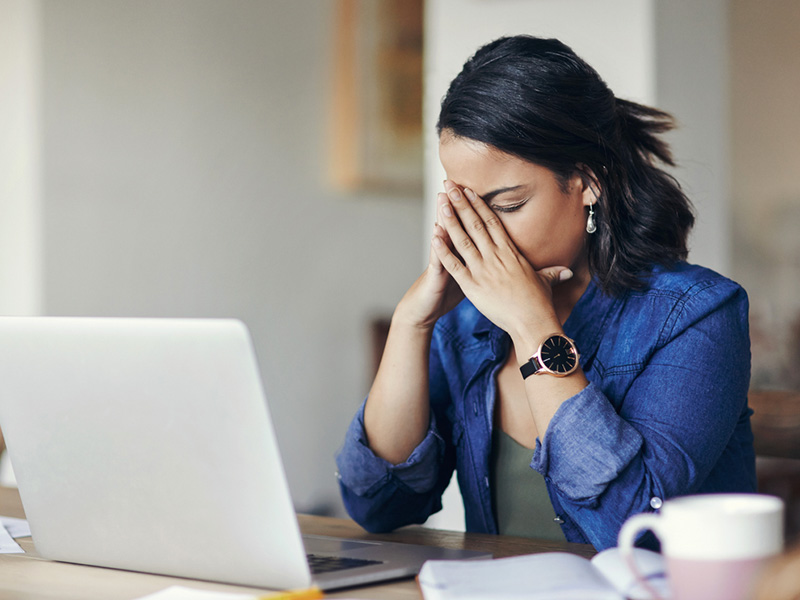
<point x="434" y="293"/>
<point x="489" y="268"/>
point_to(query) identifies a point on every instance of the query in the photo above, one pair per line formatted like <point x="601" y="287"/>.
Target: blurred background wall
<point x="172" y="158"/>
<point x="177" y="154"/>
<point x="765" y="198"/>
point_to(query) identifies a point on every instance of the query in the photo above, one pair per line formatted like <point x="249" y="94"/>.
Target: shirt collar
<point x="483" y="326"/>
<point x="588" y="320"/>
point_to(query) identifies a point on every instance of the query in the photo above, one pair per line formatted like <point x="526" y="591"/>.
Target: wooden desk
<point x="30" y="577"/>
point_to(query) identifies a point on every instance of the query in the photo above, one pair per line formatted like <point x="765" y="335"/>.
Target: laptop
<point x="147" y="445"/>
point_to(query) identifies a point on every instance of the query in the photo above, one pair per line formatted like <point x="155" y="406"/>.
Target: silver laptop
<point x="147" y="445"/>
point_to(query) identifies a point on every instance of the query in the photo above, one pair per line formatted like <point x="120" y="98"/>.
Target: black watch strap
<point x="529" y="368"/>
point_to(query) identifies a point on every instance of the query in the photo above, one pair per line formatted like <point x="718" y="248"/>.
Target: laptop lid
<point x="147" y="445"/>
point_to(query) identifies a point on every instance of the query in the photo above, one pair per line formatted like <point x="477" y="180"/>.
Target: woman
<point x="557" y="351"/>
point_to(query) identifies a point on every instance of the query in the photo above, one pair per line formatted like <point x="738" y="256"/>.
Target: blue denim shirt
<point x="665" y="413"/>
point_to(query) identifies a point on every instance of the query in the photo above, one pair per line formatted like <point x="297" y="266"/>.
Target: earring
<point x="590" y="225"/>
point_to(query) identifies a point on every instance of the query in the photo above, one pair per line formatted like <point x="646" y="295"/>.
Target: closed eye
<point x="508" y="208"/>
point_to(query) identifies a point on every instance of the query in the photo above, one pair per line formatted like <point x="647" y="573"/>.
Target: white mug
<point x="715" y="545"/>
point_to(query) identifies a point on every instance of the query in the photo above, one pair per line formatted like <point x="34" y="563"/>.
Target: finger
<point x="460" y="241"/>
<point x="555" y="275"/>
<point x="493" y="224"/>
<point x="472" y="222"/>
<point x="458" y="271"/>
<point x="439" y="231"/>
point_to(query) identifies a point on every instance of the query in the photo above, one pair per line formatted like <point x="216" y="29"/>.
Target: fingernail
<point x="472" y="196"/>
<point x="441" y="198"/>
<point x="564" y="275"/>
<point x="454" y="194"/>
<point x="446" y="210"/>
<point x="437" y="241"/>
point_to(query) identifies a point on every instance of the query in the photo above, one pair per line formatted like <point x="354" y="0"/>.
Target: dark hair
<point x="536" y="99"/>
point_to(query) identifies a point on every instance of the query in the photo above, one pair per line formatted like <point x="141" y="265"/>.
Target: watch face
<point x="558" y="355"/>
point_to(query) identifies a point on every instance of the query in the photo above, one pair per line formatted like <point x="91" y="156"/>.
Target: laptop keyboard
<point x="326" y="564"/>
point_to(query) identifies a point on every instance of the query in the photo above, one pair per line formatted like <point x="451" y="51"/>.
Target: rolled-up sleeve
<point x="381" y="496"/>
<point x="675" y="423"/>
<point x="363" y="472"/>
<point x="587" y="446"/>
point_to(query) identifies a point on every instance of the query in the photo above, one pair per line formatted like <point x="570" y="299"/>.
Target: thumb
<point x="555" y="275"/>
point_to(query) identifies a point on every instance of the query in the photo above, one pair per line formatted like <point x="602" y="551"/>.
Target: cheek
<point x="529" y="238"/>
<point x="546" y="244"/>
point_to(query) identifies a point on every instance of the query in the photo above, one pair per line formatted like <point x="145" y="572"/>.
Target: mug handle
<point x="626" y="539"/>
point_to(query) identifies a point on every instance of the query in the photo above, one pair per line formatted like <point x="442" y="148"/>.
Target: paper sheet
<point x="11" y="528"/>
<point x="7" y="543"/>
<point x="17" y="528"/>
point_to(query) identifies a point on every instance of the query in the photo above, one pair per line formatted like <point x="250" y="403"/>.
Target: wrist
<point x="526" y="340"/>
<point x="407" y="321"/>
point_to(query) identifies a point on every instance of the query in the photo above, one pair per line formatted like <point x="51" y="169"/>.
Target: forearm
<point x="546" y="392"/>
<point x="397" y="413"/>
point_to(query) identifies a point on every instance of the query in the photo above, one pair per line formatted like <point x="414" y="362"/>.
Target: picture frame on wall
<point x="376" y="112"/>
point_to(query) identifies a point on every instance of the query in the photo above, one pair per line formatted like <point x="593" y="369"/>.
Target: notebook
<point x="147" y="445"/>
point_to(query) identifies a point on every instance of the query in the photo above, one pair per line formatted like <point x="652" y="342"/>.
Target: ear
<point x="591" y="190"/>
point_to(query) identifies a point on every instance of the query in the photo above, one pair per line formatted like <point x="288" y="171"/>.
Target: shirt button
<point x="655" y="502"/>
<point x="337" y="474"/>
<point x="558" y="520"/>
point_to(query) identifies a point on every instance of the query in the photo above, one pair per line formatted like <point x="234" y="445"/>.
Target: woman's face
<point x="545" y="220"/>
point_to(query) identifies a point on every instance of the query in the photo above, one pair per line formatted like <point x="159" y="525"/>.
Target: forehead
<point x="483" y="168"/>
<point x="455" y="151"/>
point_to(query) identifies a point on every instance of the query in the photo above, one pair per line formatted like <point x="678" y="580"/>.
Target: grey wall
<point x="184" y="158"/>
<point x="692" y="74"/>
<point x="20" y="164"/>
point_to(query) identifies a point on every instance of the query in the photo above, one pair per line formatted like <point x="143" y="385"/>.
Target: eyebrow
<point x="490" y="196"/>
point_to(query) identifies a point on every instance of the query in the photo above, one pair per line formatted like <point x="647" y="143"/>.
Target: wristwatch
<point x="557" y="355"/>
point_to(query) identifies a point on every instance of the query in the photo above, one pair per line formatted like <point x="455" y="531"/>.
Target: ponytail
<point x="648" y="215"/>
<point x="641" y="125"/>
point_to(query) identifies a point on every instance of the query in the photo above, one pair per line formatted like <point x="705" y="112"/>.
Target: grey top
<point x="519" y="494"/>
